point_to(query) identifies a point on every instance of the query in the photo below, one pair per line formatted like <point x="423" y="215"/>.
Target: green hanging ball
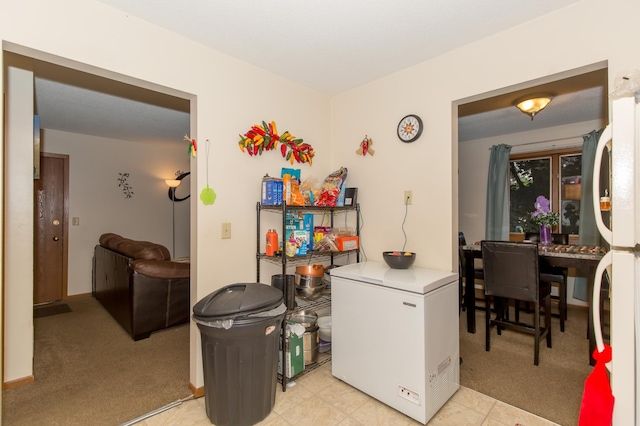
<point x="208" y="196"/>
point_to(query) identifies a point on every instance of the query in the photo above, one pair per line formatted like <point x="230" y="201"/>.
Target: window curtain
<point x="497" y="220"/>
<point x="588" y="234"/>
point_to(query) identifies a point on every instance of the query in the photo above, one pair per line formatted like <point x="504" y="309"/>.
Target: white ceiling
<point x="332" y="47"/>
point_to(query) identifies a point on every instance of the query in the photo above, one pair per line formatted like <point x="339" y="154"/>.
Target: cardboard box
<point x="271" y="192"/>
<point x="294" y="355"/>
<point x="571" y="191"/>
<point x="347" y="243"/>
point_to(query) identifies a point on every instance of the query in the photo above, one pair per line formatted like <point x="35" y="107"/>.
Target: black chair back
<point x="511" y="270"/>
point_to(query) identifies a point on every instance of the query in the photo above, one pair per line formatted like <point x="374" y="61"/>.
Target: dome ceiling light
<point x="532" y="105"/>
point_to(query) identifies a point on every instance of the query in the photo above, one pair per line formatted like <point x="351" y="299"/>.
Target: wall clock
<point x="410" y="128"/>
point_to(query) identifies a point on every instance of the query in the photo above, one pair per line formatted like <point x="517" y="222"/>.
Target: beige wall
<point x="586" y="33"/>
<point x="100" y="204"/>
<point x="229" y="96"/>
<point x="18" y="228"/>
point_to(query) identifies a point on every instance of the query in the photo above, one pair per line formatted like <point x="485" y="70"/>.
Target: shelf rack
<point x="311" y="256"/>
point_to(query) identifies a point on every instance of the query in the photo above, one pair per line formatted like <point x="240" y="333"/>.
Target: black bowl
<point x="399" y="259"/>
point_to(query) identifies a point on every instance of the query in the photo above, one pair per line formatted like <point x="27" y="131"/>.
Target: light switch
<point x="226" y="230"/>
<point x="75" y="221"/>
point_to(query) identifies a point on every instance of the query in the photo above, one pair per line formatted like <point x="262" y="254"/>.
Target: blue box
<point x="272" y="189"/>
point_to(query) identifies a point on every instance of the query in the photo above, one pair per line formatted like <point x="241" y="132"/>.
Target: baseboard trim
<point x="77" y="296"/>
<point x="197" y="392"/>
<point x="19" y="382"/>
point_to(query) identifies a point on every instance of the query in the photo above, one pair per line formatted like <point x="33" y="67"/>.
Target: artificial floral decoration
<point x="193" y="147"/>
<point x="365" y="147"/>
<point x="543" y="215"/>
<point x="126" y="188"/>
<point x="265" y="137"/>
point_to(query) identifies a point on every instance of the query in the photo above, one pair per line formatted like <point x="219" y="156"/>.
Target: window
<point x="554" y="174"/>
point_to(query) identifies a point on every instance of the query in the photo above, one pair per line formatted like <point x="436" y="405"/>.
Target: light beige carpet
<point x="552" y="390"/>
<point x="88" y="371"/>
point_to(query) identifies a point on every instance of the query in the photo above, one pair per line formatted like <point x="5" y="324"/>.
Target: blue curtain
<point x="588" y="235"/>
<point x="497" y="220"/>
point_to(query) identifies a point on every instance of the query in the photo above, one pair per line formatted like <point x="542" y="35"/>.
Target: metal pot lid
<point x="238" y="300"/>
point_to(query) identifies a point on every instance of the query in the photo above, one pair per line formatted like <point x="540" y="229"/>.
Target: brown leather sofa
<point x="139" y="285"/>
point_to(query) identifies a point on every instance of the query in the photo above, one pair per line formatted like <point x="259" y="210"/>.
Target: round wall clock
<point x="410" y="128"/>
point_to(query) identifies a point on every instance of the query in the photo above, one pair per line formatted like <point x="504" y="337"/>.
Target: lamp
<point x="173" y="184"/>
<point x="533" y="105"/>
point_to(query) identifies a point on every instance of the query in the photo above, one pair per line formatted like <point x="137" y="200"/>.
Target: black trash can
<point x="240" y="330"/>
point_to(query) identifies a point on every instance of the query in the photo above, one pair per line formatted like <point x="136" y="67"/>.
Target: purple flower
<point x="543" y="214"/>
<point x="542" y="205"/>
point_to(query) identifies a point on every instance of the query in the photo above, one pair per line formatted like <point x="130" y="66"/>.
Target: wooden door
<point x="50" y="229"/>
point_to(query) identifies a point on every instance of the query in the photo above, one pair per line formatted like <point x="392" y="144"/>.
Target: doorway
<point x="50" y="241"/>
<point x="479" y="119"/>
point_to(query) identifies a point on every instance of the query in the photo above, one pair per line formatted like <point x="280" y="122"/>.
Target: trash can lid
<point x="238" y="300"/>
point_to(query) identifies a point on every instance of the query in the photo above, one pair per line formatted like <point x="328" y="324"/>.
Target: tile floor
<point x="319" y="399"/>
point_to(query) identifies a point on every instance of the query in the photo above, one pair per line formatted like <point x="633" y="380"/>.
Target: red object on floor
<point x="597" y="400"/>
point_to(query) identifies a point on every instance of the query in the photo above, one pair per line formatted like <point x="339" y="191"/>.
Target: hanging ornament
<point x="192" y="146"/>
<point x="208" y="195"/>
<point x="365" y="147"/>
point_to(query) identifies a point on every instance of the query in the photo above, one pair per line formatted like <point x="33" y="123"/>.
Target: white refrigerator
<point x="622" y="262"/>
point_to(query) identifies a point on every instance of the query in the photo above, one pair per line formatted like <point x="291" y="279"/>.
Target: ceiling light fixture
<point x="533" y="105"/>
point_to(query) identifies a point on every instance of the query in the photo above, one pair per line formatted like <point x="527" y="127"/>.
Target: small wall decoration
<point x="193" y="147"/>
<point x="265" y="137"/>
<point x="365" y="147"/>
<point x="126" y="188"/>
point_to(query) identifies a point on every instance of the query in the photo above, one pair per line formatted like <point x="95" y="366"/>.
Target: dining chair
<point x="478" y="273"/>
<point x="555" y="275"/>
<point x="511" y="272"/>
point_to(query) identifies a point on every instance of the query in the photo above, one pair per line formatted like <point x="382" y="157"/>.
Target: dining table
<point x="581" y="257"/>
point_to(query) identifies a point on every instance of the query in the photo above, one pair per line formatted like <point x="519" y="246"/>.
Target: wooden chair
<point x="478" y="273"/>
<point x="555" y="275"/>
<point x="511" y="272"/>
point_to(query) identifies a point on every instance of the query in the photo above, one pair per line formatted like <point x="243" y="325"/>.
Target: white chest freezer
<point x="395" y="335"/>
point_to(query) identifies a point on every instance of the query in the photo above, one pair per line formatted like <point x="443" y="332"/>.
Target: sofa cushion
<point x="161" y="268"/>
<point x="134" y="249"/>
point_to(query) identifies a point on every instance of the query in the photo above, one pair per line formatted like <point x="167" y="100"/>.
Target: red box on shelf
<point x="347" y="243"/>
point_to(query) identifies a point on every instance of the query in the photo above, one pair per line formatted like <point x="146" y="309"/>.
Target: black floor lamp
<point x="173" y="184"/>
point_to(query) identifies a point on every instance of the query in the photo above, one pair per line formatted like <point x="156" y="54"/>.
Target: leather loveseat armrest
<point x="161" y="268"/>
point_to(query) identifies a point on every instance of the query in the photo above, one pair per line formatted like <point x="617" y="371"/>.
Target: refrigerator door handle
<point x="597" y="285"/>
<point x="605" y="137"/>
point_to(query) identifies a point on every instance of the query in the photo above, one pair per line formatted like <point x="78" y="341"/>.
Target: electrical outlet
<point x="226" y="230"/>
<point x="408" y="197"/>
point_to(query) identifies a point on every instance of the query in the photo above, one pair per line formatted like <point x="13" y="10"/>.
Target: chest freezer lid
<point x="415" y="279"/>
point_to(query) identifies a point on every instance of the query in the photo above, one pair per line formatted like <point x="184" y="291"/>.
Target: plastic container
<point x="324" y="347"/>
<point x="240" y="329"/>
<point x="324" y="325"/>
